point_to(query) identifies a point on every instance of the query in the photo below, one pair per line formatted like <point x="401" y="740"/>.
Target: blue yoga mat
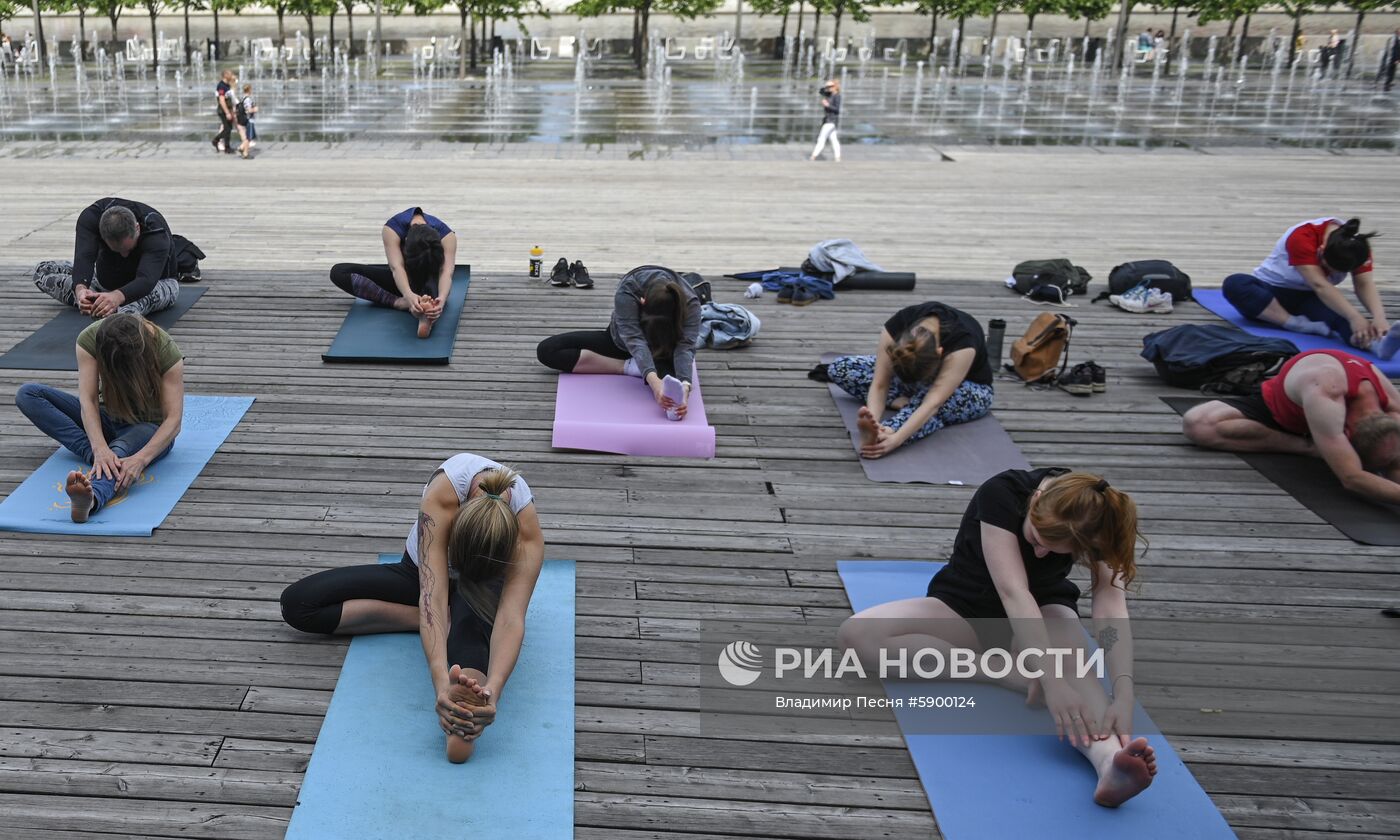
<point x="983" y="786"/>
<point x="39" y="505"/>
<point x="379" y="771"/>
<point x="384" y="334"/>
<point x="1215" y="301"/>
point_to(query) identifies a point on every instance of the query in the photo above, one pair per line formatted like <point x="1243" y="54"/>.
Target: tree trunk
<point x="1171" y="38"/>
<point x="987" y="49"/>
<point x="330" y="42"/>
<point x="1293" y="42"/>
<point x="836" y="33"/>
<point x="39" y="30"/>
<point x="350" y="29"/>
<point x="1124" y="18"/>
<point x="113" y="19"/>
<point x="817" y="24"/>
<point x="214" y="5"/>
<point x="462" y="42"/>
<point x="1229" y="41"/>
<point x="1244" y="38"/>
<point x="1030" y="25"/>
<point x="470" y="46"/>
<point x="281" y="26"/>
<point x="932" y="38"/>
<point x="311" y="39"/>
<point x="1355" y="43"/>
<point x="637" y="37"/>
<point x="800" y="9"/>
<point x="1086" y="27"/>
<point x="82" y="33"/>
<point x="155" y="43"/>
<point x="957" y="48"/>
<point x="780" y="43"/>
<point x="646" y="24"/>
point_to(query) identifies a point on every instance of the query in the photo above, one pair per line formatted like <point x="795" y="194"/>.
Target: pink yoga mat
<point x="605" y="413"/>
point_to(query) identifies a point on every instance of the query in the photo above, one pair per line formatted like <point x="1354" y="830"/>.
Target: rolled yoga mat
<point x="378" y="771"/>
<point x="873" y="281"/>
<point x="383" y="334"/>
<point x="51" y="347"/>
<point x="964" y="453"/>
<point x="1024" y="785"/>
<point x="1215" y="301"/>
<point x="39" y="505"/>
<point x="1312" y="483"/>
<point x="616" y="413"/>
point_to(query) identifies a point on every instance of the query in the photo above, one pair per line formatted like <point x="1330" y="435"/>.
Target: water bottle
<point x="996" y="334"/>
<point x="536" y="261"/>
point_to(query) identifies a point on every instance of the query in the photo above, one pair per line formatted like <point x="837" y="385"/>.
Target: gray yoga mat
<point x="51" y="347"/>
<point x="966" y="453"/>
<point x="1311" y="482"/>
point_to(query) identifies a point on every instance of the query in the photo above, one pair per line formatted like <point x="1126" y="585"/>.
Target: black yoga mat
<point x="1311" y="482"/>
<point x="51" y="347"/>
<point x="861" y="281"/>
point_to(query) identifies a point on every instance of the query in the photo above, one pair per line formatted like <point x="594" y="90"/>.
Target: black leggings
<point x="561" y="352"/>
<point x="313" y="605"/>
<point x="379" y="275"/>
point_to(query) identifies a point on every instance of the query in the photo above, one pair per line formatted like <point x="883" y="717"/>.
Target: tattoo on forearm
<point x="426" y="579"/>
<point x="1108" y="637"/>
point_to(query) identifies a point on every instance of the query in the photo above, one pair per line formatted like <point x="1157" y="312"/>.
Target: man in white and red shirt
<point x="1296" y="286"/>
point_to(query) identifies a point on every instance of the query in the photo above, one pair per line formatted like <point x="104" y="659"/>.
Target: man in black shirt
<point x="123" y="261"/>
<point x="223" y="109"/>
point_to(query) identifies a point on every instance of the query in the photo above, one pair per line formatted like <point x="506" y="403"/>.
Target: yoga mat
<point x="384" y="334"/>
<point x="965" y="453"/>
<point x="1215" y="301"/>
<point x="616" y="413"/>
<point x="51" y="347"/>
<point x="982" y="786"/>
<point x="874" y="281"/>
<point x="39" y="505"/>
<point x="378" y="771"/>
<point x="1312" y="483"/>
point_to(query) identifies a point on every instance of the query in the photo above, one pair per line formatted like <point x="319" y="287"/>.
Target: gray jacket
<point x="626" y="326"/>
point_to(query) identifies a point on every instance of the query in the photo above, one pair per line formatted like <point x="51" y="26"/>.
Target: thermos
<point x="536" y="261"/>
<point x="996" y="334"/>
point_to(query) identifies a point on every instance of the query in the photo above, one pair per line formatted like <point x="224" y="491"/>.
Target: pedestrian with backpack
<point x="930" y="367"/>
<point x="1295" y="288"/>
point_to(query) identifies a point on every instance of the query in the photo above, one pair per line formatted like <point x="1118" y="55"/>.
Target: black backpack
<point x="1157" y="274"/>
<point x="1062" y="273"/>
<point x="1214" y="358"/>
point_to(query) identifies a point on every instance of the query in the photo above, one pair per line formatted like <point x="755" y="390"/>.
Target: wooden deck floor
<point x="149" y="687"/>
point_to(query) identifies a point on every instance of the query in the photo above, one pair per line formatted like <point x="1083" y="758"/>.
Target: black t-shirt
<point x="221" y="92"/>
<point x="152" y="260"/>
<point x="1003" y="501"/>
<point x="957" y="330"/>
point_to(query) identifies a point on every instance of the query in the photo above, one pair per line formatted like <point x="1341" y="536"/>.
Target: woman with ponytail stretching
<point x="421" y="254"/>
<point x="464" y="583"/>
<point x="653" y="333"/>
<point x="1007" y="586"/>
<point x="131" y="397"/>
<point x="930" y="367"/>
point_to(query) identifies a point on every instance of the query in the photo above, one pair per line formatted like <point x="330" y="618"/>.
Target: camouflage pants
<point x="55" y="279"/>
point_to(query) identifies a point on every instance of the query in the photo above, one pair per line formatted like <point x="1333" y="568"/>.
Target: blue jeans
<point x="854" y="374"/>
<point x="59" y="415"/>
<point x="1250" y="296"/>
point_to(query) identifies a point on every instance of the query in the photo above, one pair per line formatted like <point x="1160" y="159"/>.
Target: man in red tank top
<point x="1325" y="403"/>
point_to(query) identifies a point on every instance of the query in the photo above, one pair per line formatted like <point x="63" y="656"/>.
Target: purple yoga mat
<point x="614" y="413"/>
<point x="966" y="453"/>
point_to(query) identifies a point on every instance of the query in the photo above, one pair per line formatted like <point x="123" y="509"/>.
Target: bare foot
<point x="1130" y="773"/>
<point x="425" y="327"/>
<point x="401" y="303"/>
<point x="79" y="490"/>
<point x="1035" y="698"/>
<point x="869" y="428"/>
<point x="468" y="692"/>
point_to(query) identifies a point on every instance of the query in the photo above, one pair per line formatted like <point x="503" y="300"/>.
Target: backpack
<point x="1214" y="358"/>
<point x="1063" y="273"/>
<point x="187" y="257"/>
<point x="1045" y="345"/>
<point x="1157" y="274"/>
<point x="700" y="286"/>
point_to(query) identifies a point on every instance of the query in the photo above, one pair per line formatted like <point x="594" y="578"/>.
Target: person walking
<point x="1390" y="58"/>
<point x="223" y="109"/>
<point x="831" y="119"/>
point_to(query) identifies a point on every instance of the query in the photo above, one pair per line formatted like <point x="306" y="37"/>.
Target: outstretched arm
<point x="1326" y="415"/>
<point x="1334" y="300"/>
<point x="956" y="366"/>
<point x="393" y="255"/>
<point x="1115" y="638"/>
<point x="883" y="376"/>
<point x="449" y="265"/>
<point x="1370" y="297"/>
<point x="508" y="632"/>
<point x="172" y="406"/>
<point x="435" y="514"/>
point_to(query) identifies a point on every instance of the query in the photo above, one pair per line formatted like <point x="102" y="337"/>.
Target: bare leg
<point x="590" y="362"/>
<point x="467" y="690"/>
<point x="79" y="490"/>
<point x="1216" y="425"/>
<point x="363" y="616"/>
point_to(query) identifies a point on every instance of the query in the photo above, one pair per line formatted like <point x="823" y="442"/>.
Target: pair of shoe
<point x="570" y="275"/>
<point x="796" y="295"/>
<point x="1084" y="379"/>
<point x="1142" y="298"/>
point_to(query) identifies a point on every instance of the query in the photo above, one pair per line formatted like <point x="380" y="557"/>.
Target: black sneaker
<point x="1100" y="377"/>
<point x="1079" y="381"/>
<point x="580" y="276"/>
<point x="191" y="276"/>
<point x="802" y="296"/>
<point x="560" y="275"/>
<point x="785" y="292"/>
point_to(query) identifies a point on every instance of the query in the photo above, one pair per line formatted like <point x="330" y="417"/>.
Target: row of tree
<point x="478" y="17"/>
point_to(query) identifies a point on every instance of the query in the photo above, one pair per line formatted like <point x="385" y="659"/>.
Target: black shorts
<point x="1253" y="408"/>
<point x="982" y="605"/>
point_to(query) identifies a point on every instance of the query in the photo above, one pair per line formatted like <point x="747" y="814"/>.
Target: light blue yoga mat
<point x="982" y="786"/>
<point x="383" y="334"/>
<point x="39" y="505"/>
<point x="1215" y="301"/>
<point x="379" y="772"/>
